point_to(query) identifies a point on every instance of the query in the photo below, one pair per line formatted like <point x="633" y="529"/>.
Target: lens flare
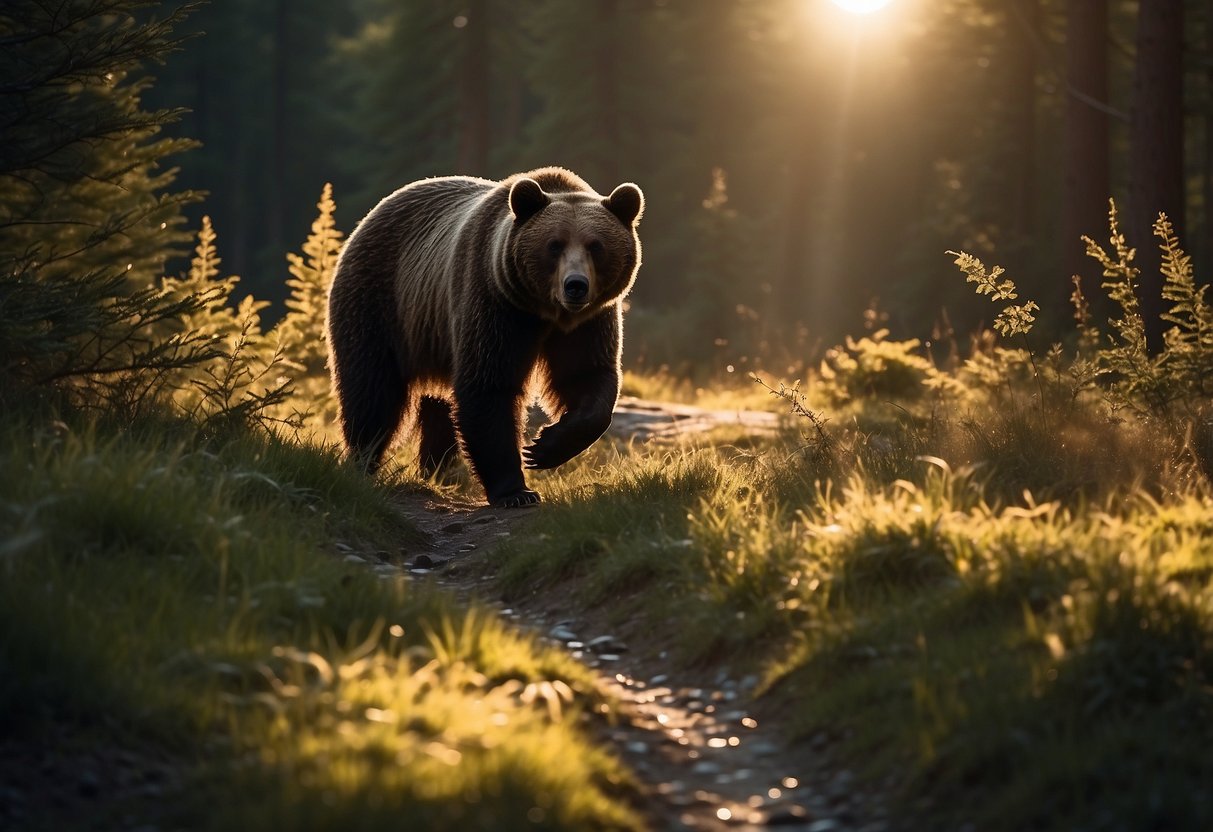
<point x="861" y="6"/>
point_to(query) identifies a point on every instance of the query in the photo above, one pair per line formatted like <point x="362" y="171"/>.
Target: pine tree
<point x="217" y="319"/>
<point x="301" y="334"/>
<point x="80" y="159"/>
<point x="242" y="380"/>
<point x="87" y="221"/>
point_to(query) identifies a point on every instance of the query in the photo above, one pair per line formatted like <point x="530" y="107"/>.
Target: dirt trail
<point x="708" y="757"/>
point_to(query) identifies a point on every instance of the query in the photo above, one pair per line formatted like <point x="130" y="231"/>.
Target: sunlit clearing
<point x="861" y="6"/>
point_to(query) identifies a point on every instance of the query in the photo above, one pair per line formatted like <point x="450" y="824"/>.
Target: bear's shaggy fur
<point x="455" y="294"/>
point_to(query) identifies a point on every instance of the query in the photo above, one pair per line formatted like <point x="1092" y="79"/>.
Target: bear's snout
<point x="576" y="288"/>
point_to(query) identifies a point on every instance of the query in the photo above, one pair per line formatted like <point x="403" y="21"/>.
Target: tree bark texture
<point x="1156" y="148"/>
<point x="1086" y="138"/>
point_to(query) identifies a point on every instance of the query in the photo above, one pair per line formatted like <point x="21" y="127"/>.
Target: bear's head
<point x="574" y="252"/>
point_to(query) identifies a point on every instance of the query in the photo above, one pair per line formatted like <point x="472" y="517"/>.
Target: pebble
<point x="354" y="559"/>
<point x="467" y="547"/>
<point x="561" y="633"/>
<point x="607" y="644"/>
<point x="423" y="562"/>
<point x="453" y="528"/>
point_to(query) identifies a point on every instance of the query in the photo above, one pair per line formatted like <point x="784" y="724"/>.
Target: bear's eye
<point x="595" y="247"/>
<point x="555" y="247"/>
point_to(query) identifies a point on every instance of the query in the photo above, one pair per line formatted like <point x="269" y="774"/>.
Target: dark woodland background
<point x="801" y="164"/>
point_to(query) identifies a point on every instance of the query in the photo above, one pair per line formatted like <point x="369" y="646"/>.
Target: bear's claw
<point x="519" y="499"/>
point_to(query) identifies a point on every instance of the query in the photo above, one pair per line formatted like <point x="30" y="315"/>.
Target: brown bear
<point x="456" y="298"/>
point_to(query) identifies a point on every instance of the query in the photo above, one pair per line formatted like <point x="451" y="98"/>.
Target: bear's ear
<point x="627" y="203"/>
<point x="527" y="199"/>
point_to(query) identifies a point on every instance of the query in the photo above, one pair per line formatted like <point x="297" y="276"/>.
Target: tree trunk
<point x="1156" y="149"/>
<point x="607" y="73"/>
<point x="276" y="220"/>
<point x="1022" y="105"/>
<point x="1086" y="139"/>
<point x="473" y="152"/>
<point x="1205" y="264"/>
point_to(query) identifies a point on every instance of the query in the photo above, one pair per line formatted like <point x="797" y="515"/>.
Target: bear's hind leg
<point x="372" y="404"/>
<point x="439" y="446"/>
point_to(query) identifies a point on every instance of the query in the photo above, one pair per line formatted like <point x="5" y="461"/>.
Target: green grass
<point x="1006" y="615"/>
<point x="186" y="599"/>
<point x="1022" y="641"/>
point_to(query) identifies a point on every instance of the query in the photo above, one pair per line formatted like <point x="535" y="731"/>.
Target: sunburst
<point x="861" y="6"/>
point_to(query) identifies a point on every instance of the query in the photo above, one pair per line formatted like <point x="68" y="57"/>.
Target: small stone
<point x="637" y="747"/>
<point x="608" y="657"/>
<point x="659" y="679"/>
<point x="486" y="518"/>
<point x="562" y="633"/>
<point x="607" y="644"/>
<point x="354" y="559"/>
<point x="423" y="562"/>
<point x="467" y="547"/>
<point x="453" y="528"/>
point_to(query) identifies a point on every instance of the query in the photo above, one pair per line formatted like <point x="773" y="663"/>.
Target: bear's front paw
<point x="518" y="499"/>
<point x="558" y="443"/>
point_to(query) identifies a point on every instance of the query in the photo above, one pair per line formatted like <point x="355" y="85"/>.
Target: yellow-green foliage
<point x="874" y="366"/>
<point x="219" y="319"/>
<point x="301" y="333"/>
<point x="1014" y="319"/>
<point x="190" y="593"/>
<point x="240" y="384"/>
<point x="988" y="653"/>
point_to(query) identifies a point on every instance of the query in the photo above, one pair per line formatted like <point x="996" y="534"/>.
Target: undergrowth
<point x="984" y="582"/>
<point x="172" y="595"/>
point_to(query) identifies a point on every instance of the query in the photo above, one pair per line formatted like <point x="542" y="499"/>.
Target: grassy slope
<point x="1011" y="662"/>
<point x="184" y="600"/>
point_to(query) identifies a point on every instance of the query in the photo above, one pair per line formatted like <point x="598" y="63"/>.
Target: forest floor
<point x="708" y="755"/>
<point x="713" y="621"/>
